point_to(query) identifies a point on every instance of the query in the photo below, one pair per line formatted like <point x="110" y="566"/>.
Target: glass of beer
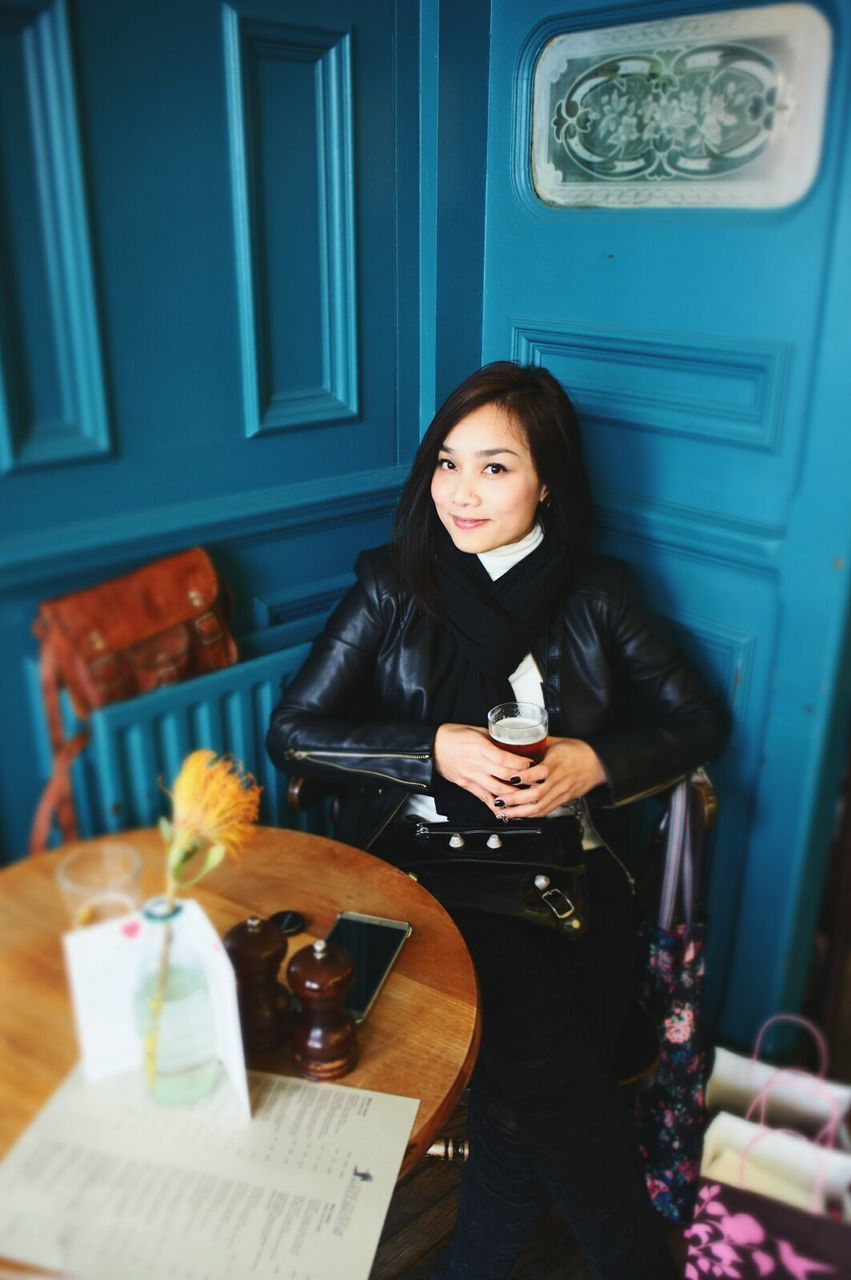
<point x="520" y="727"/>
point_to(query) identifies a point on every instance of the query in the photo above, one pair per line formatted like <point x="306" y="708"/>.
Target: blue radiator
<point x="137" y="747"/>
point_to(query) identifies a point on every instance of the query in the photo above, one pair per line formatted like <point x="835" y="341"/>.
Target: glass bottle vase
<point x="174" y="1009"/>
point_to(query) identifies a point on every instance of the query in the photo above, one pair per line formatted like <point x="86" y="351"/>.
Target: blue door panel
<point x="151" y="92"/>
<point x="668" y="416"/>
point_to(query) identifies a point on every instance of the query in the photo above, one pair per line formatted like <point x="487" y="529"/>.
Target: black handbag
<point x="500" y="870"/>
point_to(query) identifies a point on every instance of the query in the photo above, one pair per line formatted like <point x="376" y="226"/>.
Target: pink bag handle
<point x="826" y="1136"/>
<point x="818" y="1183"/>
<point x="798" y="1022"/>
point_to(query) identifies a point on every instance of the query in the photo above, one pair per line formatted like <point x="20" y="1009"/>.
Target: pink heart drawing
<point x="131" y="929"/>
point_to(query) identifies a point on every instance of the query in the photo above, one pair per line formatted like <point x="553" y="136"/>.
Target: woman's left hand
<point x="569" y="769"/>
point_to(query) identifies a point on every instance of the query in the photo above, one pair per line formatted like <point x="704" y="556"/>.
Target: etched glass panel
<point x="716" y="109"/>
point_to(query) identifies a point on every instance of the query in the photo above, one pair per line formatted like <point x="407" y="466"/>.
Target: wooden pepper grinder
<point x="257" y="949"/>
<point x="324" y="1034"/>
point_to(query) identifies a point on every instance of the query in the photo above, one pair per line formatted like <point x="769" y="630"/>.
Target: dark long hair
<point x="537" y="403"/>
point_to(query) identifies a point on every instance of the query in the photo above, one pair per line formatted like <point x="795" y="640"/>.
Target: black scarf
<point x="491" y="626"/>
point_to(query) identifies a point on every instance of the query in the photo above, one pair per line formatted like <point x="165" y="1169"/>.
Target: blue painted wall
<point x="219" y="226"/>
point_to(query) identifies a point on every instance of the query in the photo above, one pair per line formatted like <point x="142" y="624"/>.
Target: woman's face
<point x="485" y="487"/>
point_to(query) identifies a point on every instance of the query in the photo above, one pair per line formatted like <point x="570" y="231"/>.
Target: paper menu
<point x="106" y="1182"/>
<point x="103" y="965"/>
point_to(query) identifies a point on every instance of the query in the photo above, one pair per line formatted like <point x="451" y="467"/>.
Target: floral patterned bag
<point x="670" y="1115"/>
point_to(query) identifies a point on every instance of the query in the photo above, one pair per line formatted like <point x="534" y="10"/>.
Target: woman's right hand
<point x="465" y="755"/>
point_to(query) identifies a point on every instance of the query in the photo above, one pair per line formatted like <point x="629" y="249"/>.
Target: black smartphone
<point x="373" y="942"/>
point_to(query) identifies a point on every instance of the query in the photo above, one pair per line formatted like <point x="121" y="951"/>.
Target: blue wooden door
<point x="703" y="347"/>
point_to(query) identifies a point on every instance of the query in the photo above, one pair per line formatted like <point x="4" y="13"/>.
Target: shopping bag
<point x="770" y="1203"/>
<point x="670" y="1116"/>
<point x="743" y="1235"/>
<point x="797" y="1099"/>
<point x="780" y="1163"/>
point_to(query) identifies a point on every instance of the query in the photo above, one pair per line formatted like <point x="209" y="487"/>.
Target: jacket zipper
<point x="293" y="754"/>
<point x="331" y="758"/>
<point x="588" y="822"/>
<point x="385" y="825"/>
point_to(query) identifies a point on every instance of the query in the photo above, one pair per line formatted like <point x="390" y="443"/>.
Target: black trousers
<point x="547" y="1123"/>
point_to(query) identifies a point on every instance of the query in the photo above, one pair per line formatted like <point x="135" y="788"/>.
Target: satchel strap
<point x="57" y="798"/>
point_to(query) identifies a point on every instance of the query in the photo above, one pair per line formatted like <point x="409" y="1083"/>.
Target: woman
<point x="487" y="594"/>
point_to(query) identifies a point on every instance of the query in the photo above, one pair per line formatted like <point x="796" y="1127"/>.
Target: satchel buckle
<point x="208" y="628"/>
<point x="559" y="903"/>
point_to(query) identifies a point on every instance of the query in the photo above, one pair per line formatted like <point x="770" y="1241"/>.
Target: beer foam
<point x="517" y="730"/>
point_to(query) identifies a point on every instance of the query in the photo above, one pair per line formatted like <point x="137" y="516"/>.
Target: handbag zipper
<point x="423" y="829"/>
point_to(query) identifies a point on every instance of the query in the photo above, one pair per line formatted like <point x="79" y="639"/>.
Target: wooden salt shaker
<point x="257" y="949"/>
<point x="324" y="1034"/>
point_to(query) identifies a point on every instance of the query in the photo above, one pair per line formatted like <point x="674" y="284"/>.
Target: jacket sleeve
<point x="670" y="721"/>
<point x="325" y="724"/>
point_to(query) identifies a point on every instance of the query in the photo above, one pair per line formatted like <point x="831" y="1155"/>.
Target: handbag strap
<point x="678" y="880"/>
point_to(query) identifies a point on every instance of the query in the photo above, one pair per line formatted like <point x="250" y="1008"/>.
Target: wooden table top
<point x="419" y="1040"/>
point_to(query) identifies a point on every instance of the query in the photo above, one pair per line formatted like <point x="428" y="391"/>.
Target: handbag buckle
<point x="559" y="903"/>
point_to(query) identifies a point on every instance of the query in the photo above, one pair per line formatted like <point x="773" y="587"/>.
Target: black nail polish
<point x="514" y="781"/>
<point x="499" y="804"/>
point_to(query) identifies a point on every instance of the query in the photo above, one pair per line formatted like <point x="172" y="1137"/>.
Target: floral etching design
<point x="735" y="1245"/>
<point x="696" y="113"/>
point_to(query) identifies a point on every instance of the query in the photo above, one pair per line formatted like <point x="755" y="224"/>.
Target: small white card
<point x="104" y="966"/>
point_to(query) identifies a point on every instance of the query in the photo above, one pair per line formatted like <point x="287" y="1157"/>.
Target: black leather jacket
<point x="359" y="712"/>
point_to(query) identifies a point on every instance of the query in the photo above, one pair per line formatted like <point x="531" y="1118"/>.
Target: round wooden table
<point x="419" y="1040"/>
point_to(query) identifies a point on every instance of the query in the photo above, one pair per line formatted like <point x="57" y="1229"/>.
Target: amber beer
<point x="520" y="727"/>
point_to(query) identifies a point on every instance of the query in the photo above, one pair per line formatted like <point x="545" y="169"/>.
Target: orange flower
<point x="214" y="806"/>
<point x="214" y="802"/>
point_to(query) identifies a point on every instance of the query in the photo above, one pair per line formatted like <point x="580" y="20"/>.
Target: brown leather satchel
<point x="159" y="625"/>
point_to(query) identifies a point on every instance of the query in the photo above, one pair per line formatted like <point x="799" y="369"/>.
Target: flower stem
<point x="156" y="1001"/>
